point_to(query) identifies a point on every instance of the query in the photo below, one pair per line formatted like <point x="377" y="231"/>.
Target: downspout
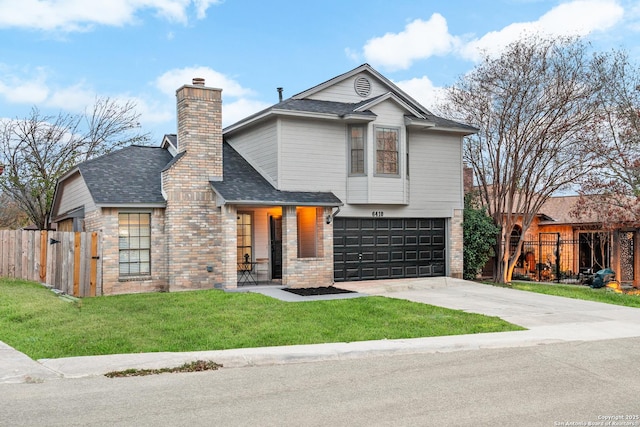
<point x="332" y="215"/>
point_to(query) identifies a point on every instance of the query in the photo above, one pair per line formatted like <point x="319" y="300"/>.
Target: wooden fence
<point x="68" y="261"/>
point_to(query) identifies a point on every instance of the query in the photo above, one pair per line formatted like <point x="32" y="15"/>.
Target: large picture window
<point x="134" y="236"/>
<point x="387" y="151"/>
<point x="357" y="140"/>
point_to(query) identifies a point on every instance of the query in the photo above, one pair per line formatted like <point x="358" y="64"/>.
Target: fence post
<point x="76" y="264"/>
<point x="44" y="244"/>
<point x="94" y="264"/>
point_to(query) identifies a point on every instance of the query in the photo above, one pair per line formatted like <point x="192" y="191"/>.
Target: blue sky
<point x="59" y="55"/>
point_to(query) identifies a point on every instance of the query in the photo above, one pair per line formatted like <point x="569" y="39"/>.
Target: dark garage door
<point x="389" y="248"/>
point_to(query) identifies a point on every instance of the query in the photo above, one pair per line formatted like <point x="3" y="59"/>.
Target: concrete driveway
<point x="556" y="318"/>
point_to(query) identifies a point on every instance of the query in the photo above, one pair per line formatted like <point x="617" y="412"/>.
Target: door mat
<point x="325" y="290"/>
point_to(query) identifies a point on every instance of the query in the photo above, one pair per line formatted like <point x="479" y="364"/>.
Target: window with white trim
<point x="387" y="146"/>
<point x="134" y="243"/>
<point x="357" y="138"/>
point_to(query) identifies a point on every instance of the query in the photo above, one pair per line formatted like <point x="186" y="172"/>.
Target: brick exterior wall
<point x="195" y="226"/>
<point x="306" y="272"/>
<point x="456" y="257"/>
<point x="105" y="220"/>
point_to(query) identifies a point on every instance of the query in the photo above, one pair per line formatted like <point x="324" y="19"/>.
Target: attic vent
<point x="362" y="86"/>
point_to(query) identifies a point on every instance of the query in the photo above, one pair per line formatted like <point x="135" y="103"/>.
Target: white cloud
<point x="578" y="17"/>
<point x="82" y="15"/>
<point x="17" y="89"/>
<point x="237" y="102"/>
<point x="203" y="5"/>
<point x="238" y="110"/>
<point x="423" y="90"/>
<point x="419" y="40"/>
<point x="74" y="98"/>
<point x="173" y="79"/>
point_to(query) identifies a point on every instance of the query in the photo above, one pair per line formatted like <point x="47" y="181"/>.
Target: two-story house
<point x="351" y="179"/>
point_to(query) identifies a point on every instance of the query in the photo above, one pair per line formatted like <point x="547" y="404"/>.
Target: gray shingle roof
<point x="328" y="107"/>
<point x="242" y="184"/>
<point x="127" y="176"/>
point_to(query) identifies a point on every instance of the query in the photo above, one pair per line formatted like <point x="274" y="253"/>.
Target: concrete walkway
<point x="548" y="319"/>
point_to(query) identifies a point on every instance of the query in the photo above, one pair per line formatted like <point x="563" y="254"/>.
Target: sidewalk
<point x="549" y="319"/>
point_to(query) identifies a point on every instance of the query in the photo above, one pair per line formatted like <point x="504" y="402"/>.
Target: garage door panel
<point x="411" y="256"/>
<point x="368" y="224"/>
<point x="410" y="224"/>
<point x="383" y="272"/>
<point x="382" y="241"/>
<point x="382" y="248"/>
<point x="397" y="224"/>
<point x="368" y="241"/>
<point x="382" y="256"/>
<point x="425" y="240"/>
<point x="425" y="270"/>
<point x="397" y="240"/>
<point x="368" y="256"/>
<point x="368" y="273"/>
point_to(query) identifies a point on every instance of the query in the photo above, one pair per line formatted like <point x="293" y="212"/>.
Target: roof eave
<point x="131" y="205"/>
<point x="394" y="97"/>
<point x="460" y="131"/>
<point x="418" y="123"/>
<point x="280" y="203"/>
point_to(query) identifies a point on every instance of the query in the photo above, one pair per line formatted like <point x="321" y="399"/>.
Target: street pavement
<point x="548" y="319"/>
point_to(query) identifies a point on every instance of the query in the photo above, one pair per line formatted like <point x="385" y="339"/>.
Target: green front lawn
<point x="40" y="324"/>
<point x="579" y="292"/>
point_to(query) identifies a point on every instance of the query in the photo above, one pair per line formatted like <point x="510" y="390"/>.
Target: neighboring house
<point x="561" y="246"/>
<point x="349" y="180"/>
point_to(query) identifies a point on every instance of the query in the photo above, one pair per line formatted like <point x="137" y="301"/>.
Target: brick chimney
<point x="199" y="110"/>
<point x="192" y="221"/>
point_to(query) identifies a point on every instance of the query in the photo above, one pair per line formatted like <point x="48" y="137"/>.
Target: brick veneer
<point x="106" y="221"/>
<point x="194" y="224"/>
<point x="306" y="272"/>
<point x="456" y="266"/>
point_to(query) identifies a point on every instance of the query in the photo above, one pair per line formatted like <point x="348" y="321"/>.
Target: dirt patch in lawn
<point x="324" y="290"/>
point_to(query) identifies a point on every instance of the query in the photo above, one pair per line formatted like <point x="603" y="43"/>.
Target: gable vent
<point x="362" y="86"/>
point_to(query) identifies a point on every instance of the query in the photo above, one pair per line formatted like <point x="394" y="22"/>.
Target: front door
<point x="275" y="226"/>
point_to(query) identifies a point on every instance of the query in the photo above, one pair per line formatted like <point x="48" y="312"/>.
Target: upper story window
<point x="134" y="236"/>
<point x="357" y="144"/>
<point x="387" y="144"/>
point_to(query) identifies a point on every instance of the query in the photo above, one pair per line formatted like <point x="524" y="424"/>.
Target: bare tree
<point x="612" y="192"/>
<point x="38" y="149"/>
<point x="534" y="107"/>
<point x="11" y="217"/>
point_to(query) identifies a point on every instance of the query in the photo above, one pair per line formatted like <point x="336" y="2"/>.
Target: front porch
<point x="289" y="246"/>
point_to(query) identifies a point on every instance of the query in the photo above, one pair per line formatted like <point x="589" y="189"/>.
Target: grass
<point x="40" y="324"/>
<point x="579" y="292"/>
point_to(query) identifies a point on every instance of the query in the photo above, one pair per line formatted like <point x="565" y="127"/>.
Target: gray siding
<point x="74" y="194"/>
<point x="345" y="92"/>
<point x="259" y="146"/>
<point x="313" y="156"/>
<point x="435" y="172"/>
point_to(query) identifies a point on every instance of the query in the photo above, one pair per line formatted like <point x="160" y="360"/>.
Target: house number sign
<point x="377" y="214"/>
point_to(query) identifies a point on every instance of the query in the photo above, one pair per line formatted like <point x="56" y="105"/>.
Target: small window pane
<point x="133" y="247"/>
